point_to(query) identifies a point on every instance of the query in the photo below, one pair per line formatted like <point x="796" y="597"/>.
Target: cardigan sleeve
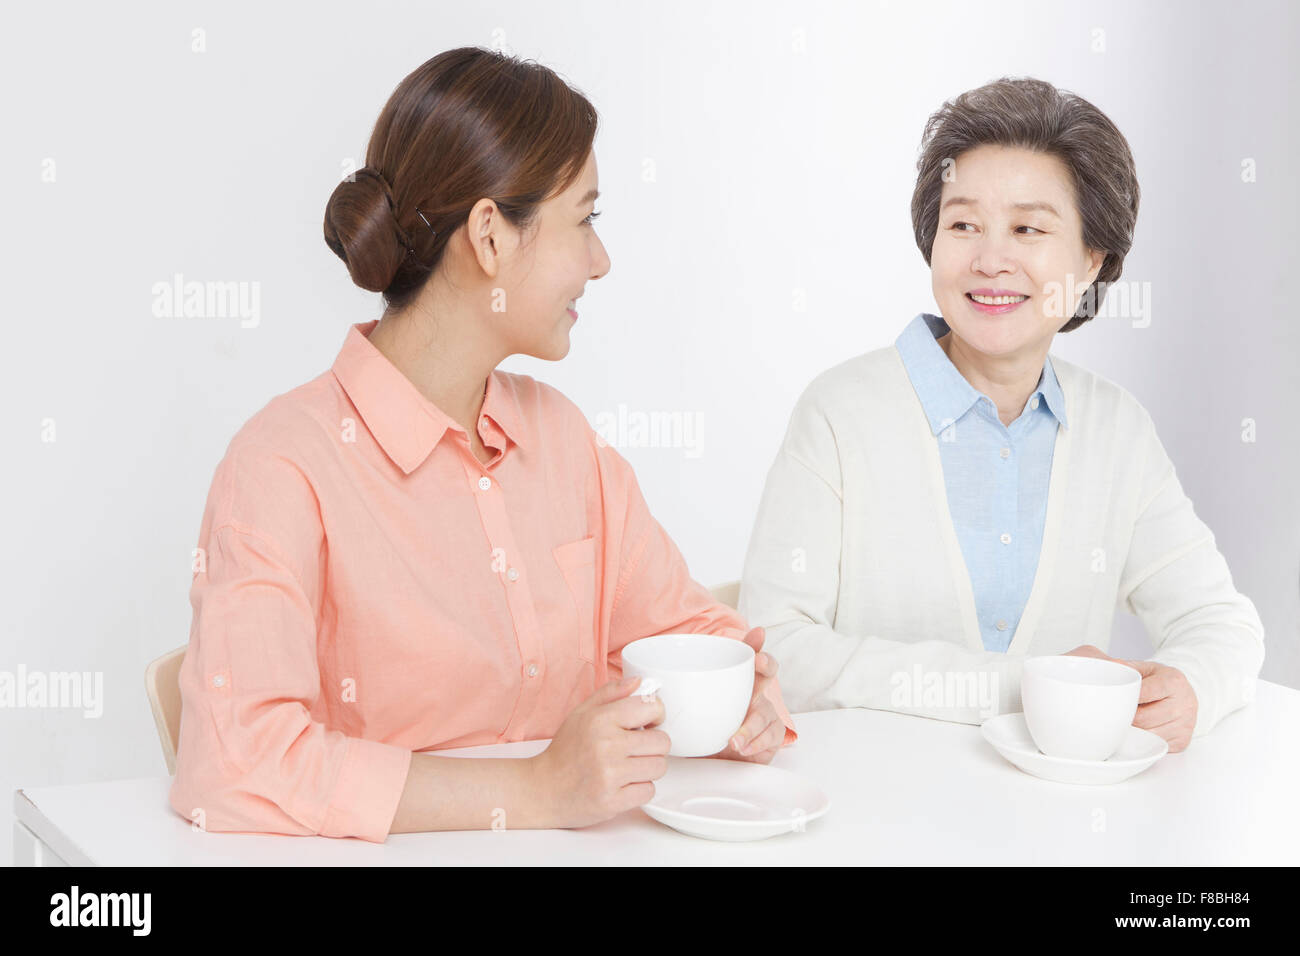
<point x="1177" y="582"/>
<point x="791" y="587"/>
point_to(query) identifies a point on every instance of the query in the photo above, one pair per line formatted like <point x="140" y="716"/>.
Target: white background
<point x="783" y="139"/>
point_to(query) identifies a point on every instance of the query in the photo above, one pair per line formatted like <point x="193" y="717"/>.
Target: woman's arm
<point x="602" y="761"/>
<point x="470" y="793"/>
<point x="1179" y="585"/>
<point x="253" y="757"/>
<point x="654" y="592"/>
<point x="791" y="588"/>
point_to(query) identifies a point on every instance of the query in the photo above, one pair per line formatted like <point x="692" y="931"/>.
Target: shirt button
<point x="532" y="670"/>
<point x="1033" y="402"/>
<point x="218" y="681"/>
<point x="1006" y="538"/>
<point x="512" y="574"/>
<point x="1002" y="625"/>
<point x="1005" y="453"/>
<point x="484" y="483"/>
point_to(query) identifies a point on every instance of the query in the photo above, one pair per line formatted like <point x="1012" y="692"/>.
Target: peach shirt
<point x="366" y="587"/>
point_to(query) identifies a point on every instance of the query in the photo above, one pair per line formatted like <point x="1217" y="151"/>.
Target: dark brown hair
<point x="468" y="124"/>
<point x="1035" y="115"/>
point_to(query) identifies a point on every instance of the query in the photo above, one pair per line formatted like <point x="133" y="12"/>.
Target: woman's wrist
<point x="534" y="787"/>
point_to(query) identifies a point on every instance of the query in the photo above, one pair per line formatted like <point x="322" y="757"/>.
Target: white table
<point x="904" y="790"/>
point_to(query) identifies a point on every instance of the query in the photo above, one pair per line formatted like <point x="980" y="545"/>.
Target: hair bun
<point x="361" y="227"/>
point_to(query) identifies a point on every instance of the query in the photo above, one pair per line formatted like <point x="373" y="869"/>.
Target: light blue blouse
<point x="996" y="475"/>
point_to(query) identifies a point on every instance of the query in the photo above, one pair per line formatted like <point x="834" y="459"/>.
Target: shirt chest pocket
<point x="577" y="562"/>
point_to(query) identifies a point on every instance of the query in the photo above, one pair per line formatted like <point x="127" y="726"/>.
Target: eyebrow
<point x="591" y="195"/>
<point x="1022" y="206"/>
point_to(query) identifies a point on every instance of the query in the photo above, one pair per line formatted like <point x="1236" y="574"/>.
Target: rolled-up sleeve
<point x="1179" y="585"/>
<point x="254" y="753"/>
<point x="654" y="592"/>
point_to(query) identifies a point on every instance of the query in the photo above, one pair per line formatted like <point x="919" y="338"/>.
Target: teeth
<point x="998" y="299"/>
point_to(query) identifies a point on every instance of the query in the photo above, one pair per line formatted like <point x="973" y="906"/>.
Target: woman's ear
<point x="1096" y="260"/>
<point x="483" y="229"/>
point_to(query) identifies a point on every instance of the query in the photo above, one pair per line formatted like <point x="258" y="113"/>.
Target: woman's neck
<point x="447" y="366"/>
<point x="1008" y="382"/>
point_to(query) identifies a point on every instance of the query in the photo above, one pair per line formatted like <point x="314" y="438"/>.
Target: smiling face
<point x="1008" y="265"/>
<point x="548" y="270"/>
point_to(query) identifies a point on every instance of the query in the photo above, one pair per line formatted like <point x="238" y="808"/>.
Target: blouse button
<point x="484" y="483"/>
<point x="1033" y="402"/>
<point x="218" y="681"/>
<point x="1006" y="538"/>
<point x="1002" y="625"/>
<point x="1006" y="453"/>
<point x="512" y="574"/>
<point x="532" y="670"/>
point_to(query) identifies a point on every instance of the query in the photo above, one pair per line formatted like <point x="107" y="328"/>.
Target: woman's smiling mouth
<point x="995" y="301"/>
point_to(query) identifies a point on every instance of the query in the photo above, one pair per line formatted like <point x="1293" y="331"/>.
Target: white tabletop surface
<point x="903" y="790"/>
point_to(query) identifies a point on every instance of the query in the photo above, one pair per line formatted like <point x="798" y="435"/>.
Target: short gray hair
<point x="1035" y="115"/>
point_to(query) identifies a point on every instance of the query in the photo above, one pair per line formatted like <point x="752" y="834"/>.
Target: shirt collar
<point x="944" y="392"/>
<point x="407" y="425"/>
<point x="1050" y="388"/>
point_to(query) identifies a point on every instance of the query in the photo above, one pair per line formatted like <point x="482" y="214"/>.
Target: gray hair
<point x="1035" y="115"/>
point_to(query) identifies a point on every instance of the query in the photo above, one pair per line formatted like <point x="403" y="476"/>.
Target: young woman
<point x="942" y="508"/>
<point x="415" y="551"/>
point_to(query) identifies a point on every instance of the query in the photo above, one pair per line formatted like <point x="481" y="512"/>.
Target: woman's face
<point x="1008" y="226"/>
<point x="550" y="269"/>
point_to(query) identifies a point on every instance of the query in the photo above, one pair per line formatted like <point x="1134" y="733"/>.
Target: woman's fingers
<point x="756" y="732"/>
<point x="1150" y="716"/>
<point x="765" y="664"/>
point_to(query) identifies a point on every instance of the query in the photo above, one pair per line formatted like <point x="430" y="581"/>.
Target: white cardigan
<point x="856" y="573"/>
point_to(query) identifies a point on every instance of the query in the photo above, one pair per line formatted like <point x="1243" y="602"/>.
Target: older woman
<point x="942" y="508"/>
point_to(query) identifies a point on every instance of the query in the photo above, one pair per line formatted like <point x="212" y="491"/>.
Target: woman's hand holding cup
<point x="762" y="733"/>
<point x="600" y="763"/>
<point x="1166" y="703"/>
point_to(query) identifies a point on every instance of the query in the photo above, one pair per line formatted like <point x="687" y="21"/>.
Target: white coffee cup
<point x="705" y="682"/>
<point x="1079" y="708"/>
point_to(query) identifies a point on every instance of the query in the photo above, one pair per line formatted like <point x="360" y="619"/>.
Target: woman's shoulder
<point x="1091" y="398"/>
<point x="281" y="448"/>
<point x="295" y="422"/>
<point x="876" y="375"/>
<point x="540" y="407"/>
<point x="268" y="481"/>
<point x="314" y="418"/>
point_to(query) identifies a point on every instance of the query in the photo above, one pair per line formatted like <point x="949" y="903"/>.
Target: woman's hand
<point x="603" y="760"/>
<point x="1166" y="702"/>
<point x="762" y="733"/>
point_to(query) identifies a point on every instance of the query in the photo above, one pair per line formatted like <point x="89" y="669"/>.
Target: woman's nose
<point x="600" y="265"/>
<point x="993" y="256"/>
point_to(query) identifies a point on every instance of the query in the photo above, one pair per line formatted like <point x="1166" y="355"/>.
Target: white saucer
<point x="1009" y="735"/>
<point x="733" y="800"/>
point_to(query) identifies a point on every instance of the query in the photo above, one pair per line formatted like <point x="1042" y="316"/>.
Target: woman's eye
<point x="591" y="219"/>
<point x="1030" y="228"/>
<point x="956" y="225"/>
